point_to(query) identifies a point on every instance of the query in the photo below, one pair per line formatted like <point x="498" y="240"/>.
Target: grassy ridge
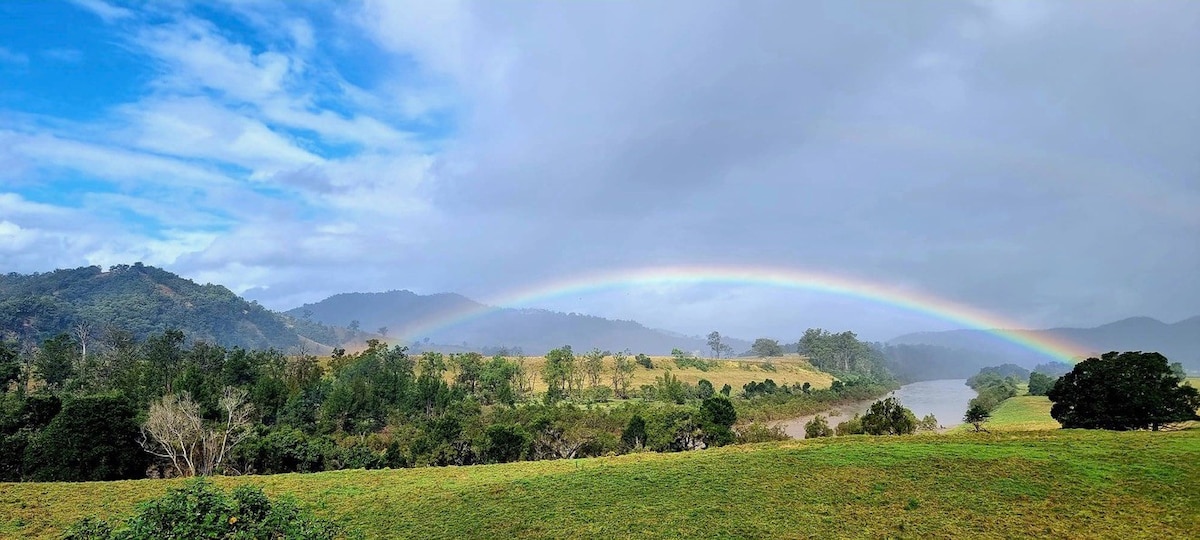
<point x="1062" y="483"/>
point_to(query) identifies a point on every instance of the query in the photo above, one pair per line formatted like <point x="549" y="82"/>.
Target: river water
<point x="945" y="399"/>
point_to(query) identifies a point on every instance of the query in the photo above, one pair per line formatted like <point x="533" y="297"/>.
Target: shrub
<point x="889" y="417"/>
<point x="200" y="510"/>
<point x="757" y="432"/>
<point x="817" y="427"/>
<point x="644" y="361"/>
<point x="852" y="426"/>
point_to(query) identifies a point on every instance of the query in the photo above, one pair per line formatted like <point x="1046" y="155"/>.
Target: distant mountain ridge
<point x="535" y="331"/>
<point x="1179" y="342"/>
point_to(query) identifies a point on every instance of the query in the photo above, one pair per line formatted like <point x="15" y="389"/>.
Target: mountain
<point x="535" y="331"/>
<point x="144" y="300"/>
<point x="1179" y="342"/>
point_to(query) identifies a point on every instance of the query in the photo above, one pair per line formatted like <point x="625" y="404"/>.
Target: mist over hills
<point x="535" y="331"/>
<point x="1179" y="342"/>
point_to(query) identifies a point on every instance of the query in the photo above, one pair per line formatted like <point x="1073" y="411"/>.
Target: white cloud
<point x="108" y="12"/>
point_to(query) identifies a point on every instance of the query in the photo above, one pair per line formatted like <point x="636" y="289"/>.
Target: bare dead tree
<point x="176" y="431"/>
<point x="83" y="333"/>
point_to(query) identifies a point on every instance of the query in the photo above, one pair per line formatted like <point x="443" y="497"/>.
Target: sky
<point x="1035" y="160"/>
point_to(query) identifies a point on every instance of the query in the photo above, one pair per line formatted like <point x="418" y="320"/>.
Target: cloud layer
<point x="1035" y="160"/>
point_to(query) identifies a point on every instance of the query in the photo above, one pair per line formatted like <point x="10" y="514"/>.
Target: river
<point x="945" y="399"/>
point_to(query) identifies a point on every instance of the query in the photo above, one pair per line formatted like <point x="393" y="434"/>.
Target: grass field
<point x="791" y="369"/>
<point x="1020" y="413"/>
<point x="1060" y="484"/>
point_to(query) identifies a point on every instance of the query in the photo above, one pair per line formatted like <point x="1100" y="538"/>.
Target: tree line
<point x="113" y="406"/>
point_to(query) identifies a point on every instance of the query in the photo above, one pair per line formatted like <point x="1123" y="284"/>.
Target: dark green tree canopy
<point x="1123" y="391"/>
<point x="889" y="417"/>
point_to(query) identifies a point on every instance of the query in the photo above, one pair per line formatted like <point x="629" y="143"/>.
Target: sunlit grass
<point x="1061" y="484"/>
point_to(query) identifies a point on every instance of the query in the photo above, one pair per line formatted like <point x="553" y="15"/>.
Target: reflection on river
<point x="945" y="399"/>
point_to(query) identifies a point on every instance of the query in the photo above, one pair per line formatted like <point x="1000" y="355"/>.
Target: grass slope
<point x="1019" y="413"/>
<point x="1061" y="484"/>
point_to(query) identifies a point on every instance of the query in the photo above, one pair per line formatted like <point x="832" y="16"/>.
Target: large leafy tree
<point x="1123" y="391"/>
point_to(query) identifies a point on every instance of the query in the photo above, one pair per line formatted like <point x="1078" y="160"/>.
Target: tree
<point x="644" y="361"/>
<point x="10" y="365"/>
<point x="593" y="366"/>
<point x="623" y="368"/>
<point x="1039" y="383"/>
<point x="175" y="430"/>
<point x="817" y="427"/>
<point x="704" y="389"/>
<point x="889" y="417"/>
<point x="717" y="417"/>
<point x="714" y="343"/>
<point x="1123" y="391"/>
<point x="764" y="347"/>
<point x="976" y="415"/>
<point x="55" y="361"/>
<point x="634" y="434"/>
<point x="504" y="443"/>
<point x="726" y="389"/>
<point x="557" y="371"/>
<point x="91" y="438"/>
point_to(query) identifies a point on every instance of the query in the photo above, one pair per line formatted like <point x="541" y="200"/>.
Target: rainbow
<point x="787" y="278"/>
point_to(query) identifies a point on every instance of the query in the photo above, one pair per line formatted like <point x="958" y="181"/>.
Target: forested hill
<point x="142" y="300"/>
<point x="535" y="331"/>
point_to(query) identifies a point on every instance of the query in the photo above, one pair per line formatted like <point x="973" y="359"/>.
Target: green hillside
<point x="1060" y="484"/>
<point x="142" y="300"/>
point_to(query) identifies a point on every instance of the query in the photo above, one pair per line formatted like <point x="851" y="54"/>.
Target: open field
<point x="1060" y="484"/>
<point x="791" y="369"/>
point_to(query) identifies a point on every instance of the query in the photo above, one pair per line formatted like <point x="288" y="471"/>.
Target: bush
<point x="644" y="361"/>
<point x="852" y="426"/>
<point x="757" y="432"/>
<point x="200" y="510"/>
<point x="817" y="427"/>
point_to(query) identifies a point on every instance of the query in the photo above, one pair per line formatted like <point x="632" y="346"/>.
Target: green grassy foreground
<point x="1063" y="483"/>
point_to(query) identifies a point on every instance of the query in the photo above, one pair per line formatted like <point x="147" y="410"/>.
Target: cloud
<point x="107" y="12"/>
<point x="1035" y="160"/>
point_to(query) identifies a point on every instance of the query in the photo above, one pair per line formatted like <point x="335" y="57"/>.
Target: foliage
<point x="717" y="417"/>
<point x="757" y="432"/>
<point x="200" y="510"/>
<point x="766" y="347"/>
<point x="842" y="354"/>
<point x="928" y="423"/>
<point x="644" y="361"/>
<point x="1040" y="383"/>
<point x="1123" y="391"/>
<point x="853" y="426"/>
<point x="140" y="299"/>
<point x="976" y="415"/>
<point x="993" y="374"/>
<point x="888" y="417"/>
<point x="817" y="427"/>
<point x="91" y="438"/>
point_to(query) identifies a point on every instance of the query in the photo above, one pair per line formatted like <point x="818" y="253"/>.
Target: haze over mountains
<point x="144" y="300"/>
<point x="1178" y="341"/>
